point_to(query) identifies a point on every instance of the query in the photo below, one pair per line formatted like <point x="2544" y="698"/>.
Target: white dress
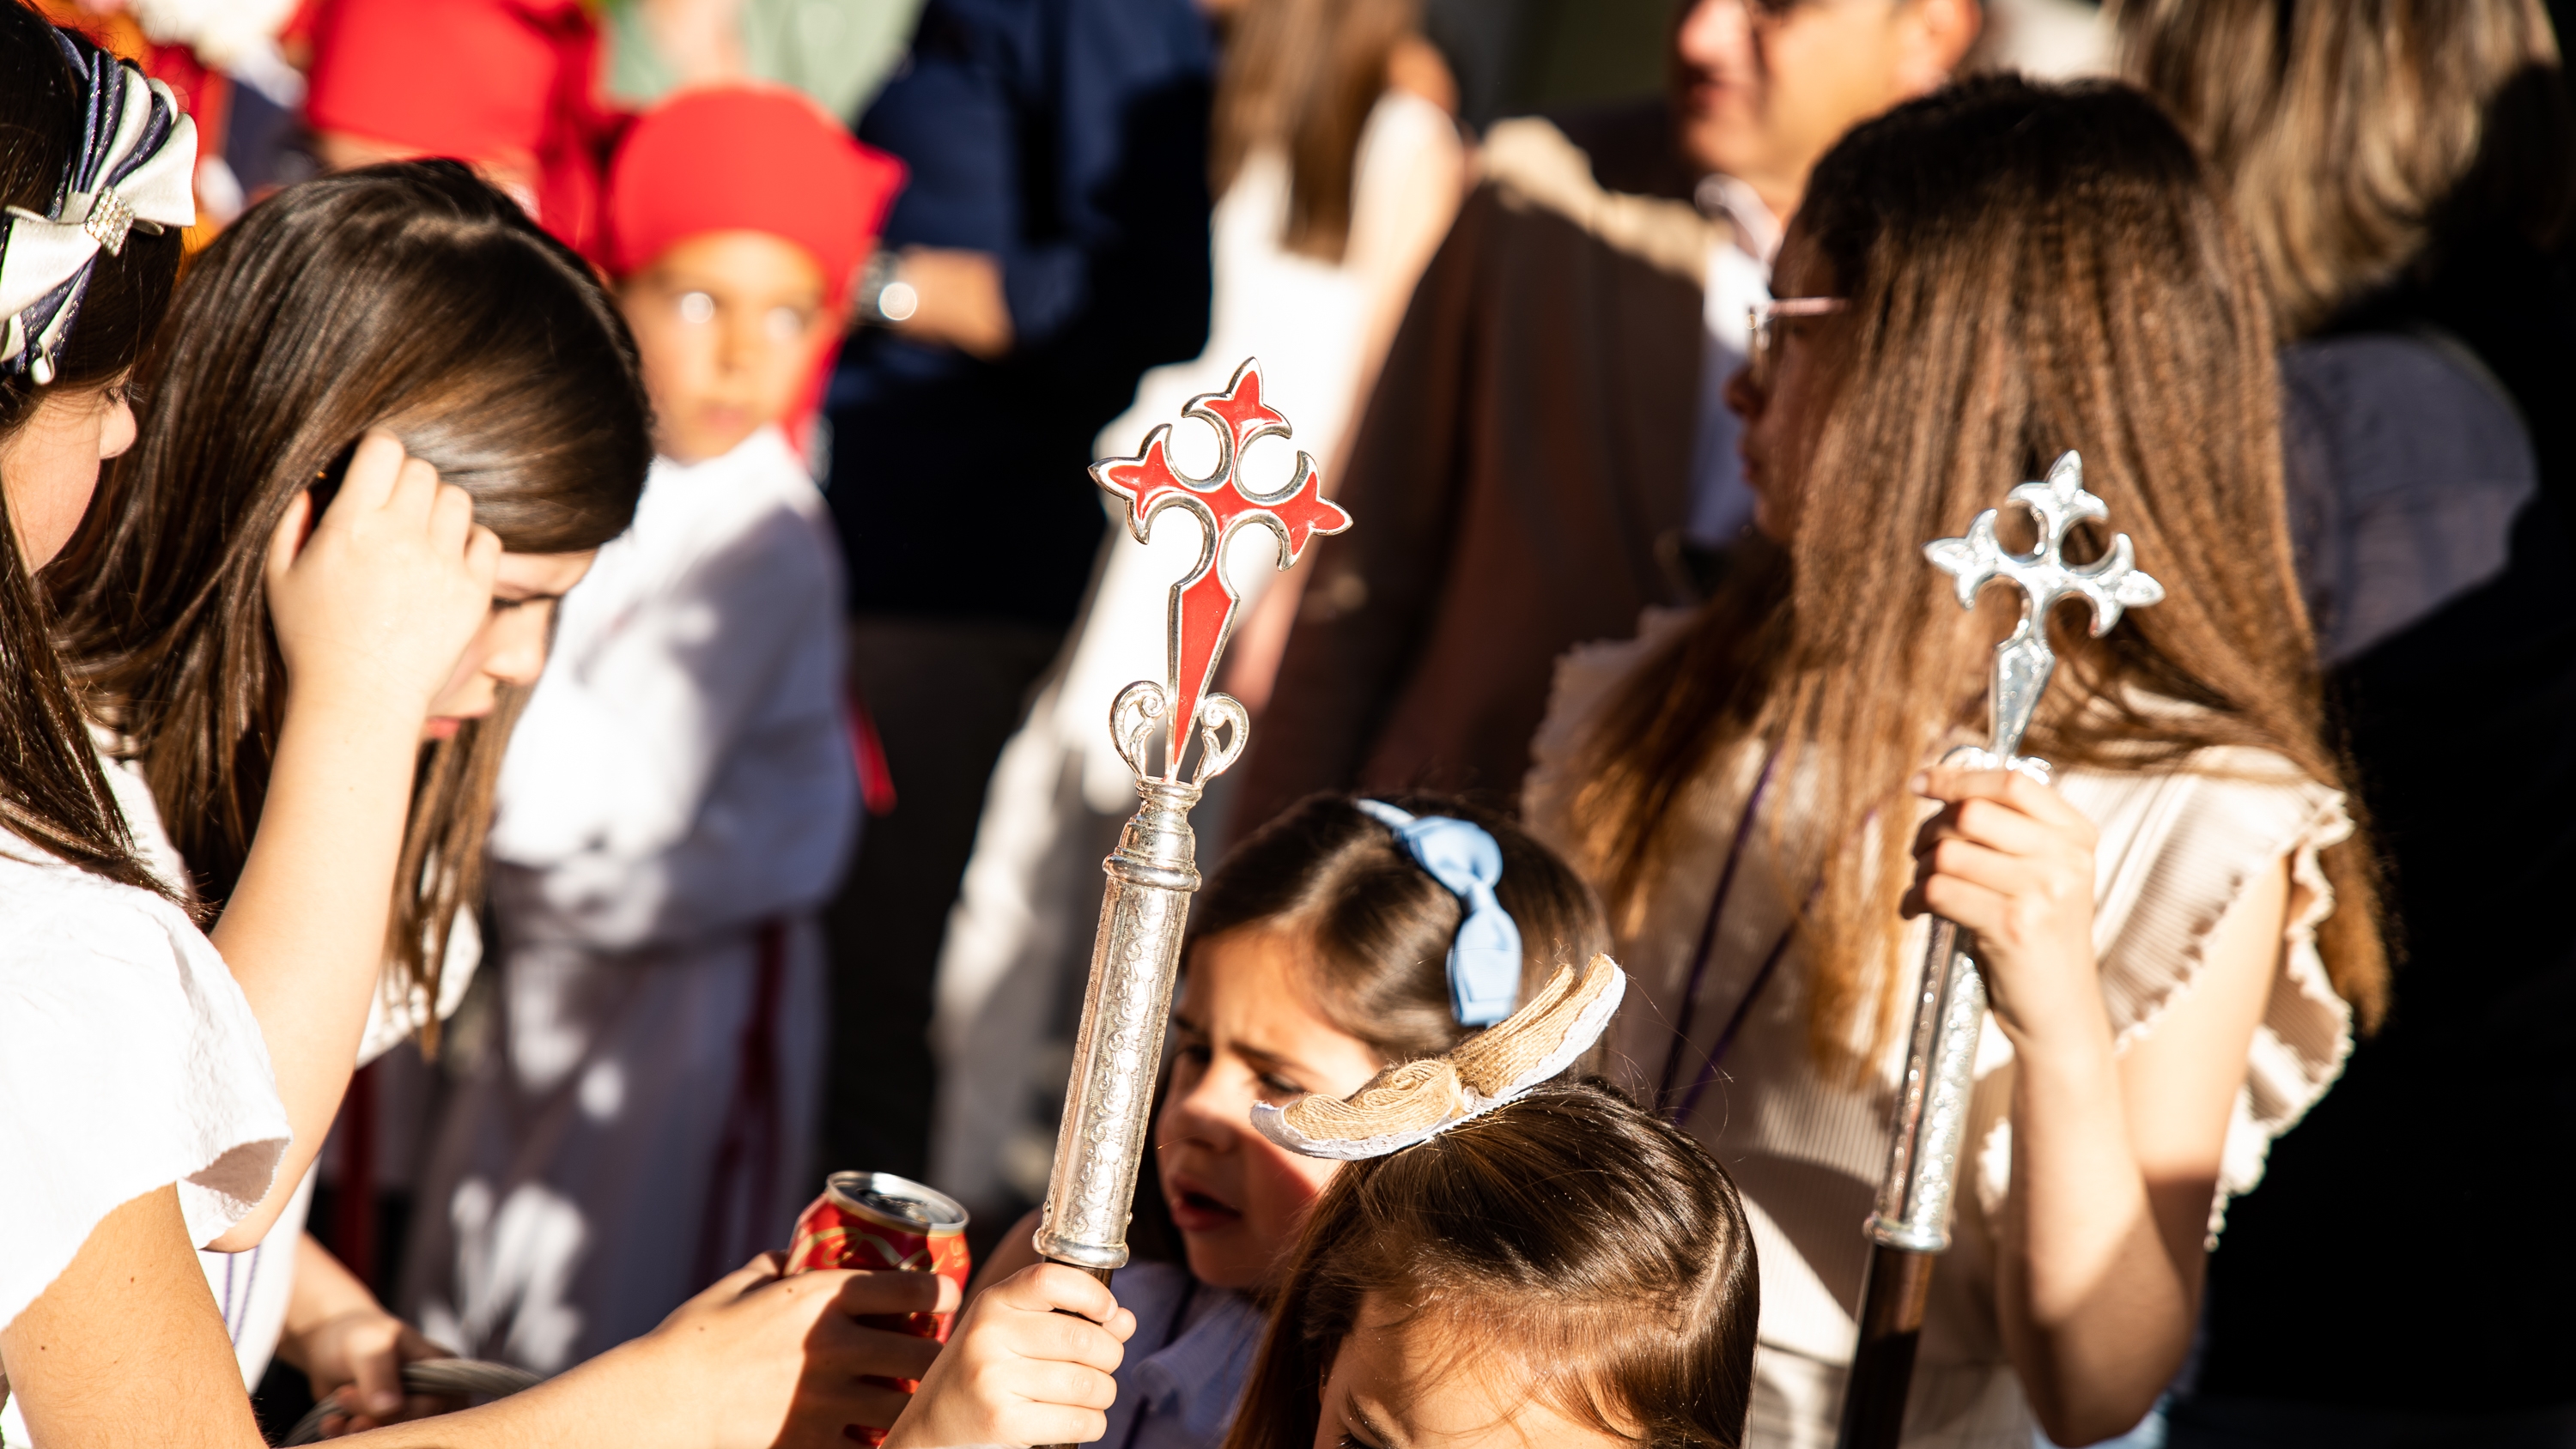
<point x="677" y="804"/>
<point x="1023" y="919"/>
<point x="129" y="1060"/>
<point x="1807" y="1149"/>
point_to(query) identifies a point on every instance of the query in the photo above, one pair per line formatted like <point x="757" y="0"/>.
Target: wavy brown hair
<point x="2344" y="128"/>
<point x="2029" y="269"/>
<point x="410" y="297"/>
<point x="51" y="791"/>
<point x="1599" y="1249"/>
<point x="1376" y="927"/>
<point x="1303" y="75"/>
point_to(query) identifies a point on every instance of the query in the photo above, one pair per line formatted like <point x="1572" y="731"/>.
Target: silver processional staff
<point x="1911" y="1225"/>
<point x="1135" y="959"/>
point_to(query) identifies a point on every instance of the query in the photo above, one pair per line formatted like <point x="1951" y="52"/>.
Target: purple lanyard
<point x="1680" y="1113"/>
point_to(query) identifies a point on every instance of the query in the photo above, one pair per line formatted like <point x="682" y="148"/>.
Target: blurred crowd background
<point x="1110" y="204"/>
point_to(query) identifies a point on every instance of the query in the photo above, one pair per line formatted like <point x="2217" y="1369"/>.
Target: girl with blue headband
<point x="1346" y="936"/>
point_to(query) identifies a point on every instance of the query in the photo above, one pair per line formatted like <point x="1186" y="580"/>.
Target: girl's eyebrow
<point x="1377" y="1434"/>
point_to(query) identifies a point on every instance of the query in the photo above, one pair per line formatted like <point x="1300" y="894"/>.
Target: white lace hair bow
<point x="137" y="161"/>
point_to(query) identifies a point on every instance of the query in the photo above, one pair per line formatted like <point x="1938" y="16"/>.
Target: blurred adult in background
<point x="2407" y="172"/>
<point x="840" y="52"/>
<point x="1338" y="165"/>
<point x="509" y="86"/>
<point x="1052" y="245"/>
<point x="1548" y="454"/>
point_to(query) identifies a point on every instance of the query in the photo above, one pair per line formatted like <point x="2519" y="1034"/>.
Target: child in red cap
<point x="679" y="797"/>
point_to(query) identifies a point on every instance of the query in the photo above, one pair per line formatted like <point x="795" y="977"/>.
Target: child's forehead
<point x="738" y="260"/>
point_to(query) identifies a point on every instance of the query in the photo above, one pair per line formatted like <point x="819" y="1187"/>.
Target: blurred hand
<point x="355" y="1358"/>
<point x="1022" y="1368"/>
<point x="762" y="1359"/>
<point x="377" y="605"/>
<point x="958" y="300"/>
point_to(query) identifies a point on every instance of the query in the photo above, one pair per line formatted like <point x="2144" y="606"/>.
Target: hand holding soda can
<point x="878" y="1221"/>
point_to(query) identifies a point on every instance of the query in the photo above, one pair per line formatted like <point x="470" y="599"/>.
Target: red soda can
<point x="876" y="1220"/>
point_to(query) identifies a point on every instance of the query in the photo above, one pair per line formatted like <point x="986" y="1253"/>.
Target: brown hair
<point x="2343" y="128"/>
<point x="411" y="297"/>
<point x="2029" y="269"/>
<point x="1377" y="927"/>
<point x="1604" y="1249"/>
<point x="1302" y="75"/>
<point x="52" y="793"/>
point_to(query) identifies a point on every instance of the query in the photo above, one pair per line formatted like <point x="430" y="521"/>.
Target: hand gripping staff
<point x="1912" y="1221"/>
<point x="1118" y="1051"/>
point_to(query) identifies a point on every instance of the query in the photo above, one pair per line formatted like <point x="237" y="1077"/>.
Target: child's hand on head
<point x="1030" y="1363"/>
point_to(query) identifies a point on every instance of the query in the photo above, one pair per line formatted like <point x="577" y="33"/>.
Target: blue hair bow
<point x="1485" y="955"/>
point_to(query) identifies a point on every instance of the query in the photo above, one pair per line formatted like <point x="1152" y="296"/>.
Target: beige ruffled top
<point x="2176" y="848"/>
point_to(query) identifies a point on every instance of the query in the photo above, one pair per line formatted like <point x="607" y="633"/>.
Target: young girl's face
<point x="1404" y="1381"/>
<point x="510" y="648"/>
<point x="1247" y="1030"/>
<point x="730" y="326"/>
<point x="1783" y="413"/>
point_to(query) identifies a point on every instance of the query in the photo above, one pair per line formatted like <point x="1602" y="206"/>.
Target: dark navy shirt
<point x="1069" y="139"/>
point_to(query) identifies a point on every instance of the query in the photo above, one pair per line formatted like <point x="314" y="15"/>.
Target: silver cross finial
<point x="2110" y="584"/>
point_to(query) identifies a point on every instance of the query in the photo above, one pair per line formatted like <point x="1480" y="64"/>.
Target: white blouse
<point x="1807" y="1149"/>
<point x="129" y="1060"/>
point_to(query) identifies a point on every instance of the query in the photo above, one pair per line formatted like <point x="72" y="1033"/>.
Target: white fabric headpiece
<point x="137" y="161"/>
<point x="1419" y="1100"/>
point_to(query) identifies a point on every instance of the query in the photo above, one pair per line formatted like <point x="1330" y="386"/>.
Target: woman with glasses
<point x="2175" y="935"/>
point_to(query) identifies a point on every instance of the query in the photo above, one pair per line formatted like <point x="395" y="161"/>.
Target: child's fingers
<point x="1064" y="1385"/>
<point x="1055" y="1288"/>
<point x="1993" y="824"/>
<point x="1952" y="785"/>
<point x="1066" y="1338"/>
<point x="373" y="470"/>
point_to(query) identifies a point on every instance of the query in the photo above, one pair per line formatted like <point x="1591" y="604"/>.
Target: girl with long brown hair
<point x="143" y="1117"/>
<point x="2175" y="938"/>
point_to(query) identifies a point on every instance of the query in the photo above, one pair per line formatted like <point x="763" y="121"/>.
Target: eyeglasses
<point x="1761" y="330"/>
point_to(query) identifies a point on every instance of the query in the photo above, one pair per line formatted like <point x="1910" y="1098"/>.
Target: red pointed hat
<point x="748" y="158"/>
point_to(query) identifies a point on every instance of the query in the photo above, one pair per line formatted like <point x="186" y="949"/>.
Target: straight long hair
<point x="1302" y="76"/>
<point x="2029" y="269"/>
<point x="2345" y="129"/>
<point x="1567" y="1236"/>
<point x="52" y="793"/>
<point x="409" y="297"/>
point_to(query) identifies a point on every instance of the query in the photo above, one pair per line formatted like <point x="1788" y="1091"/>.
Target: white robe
<point x="680" y="787"/>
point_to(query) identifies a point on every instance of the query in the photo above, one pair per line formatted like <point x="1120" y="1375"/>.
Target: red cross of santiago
<point x="1204" y="602"/>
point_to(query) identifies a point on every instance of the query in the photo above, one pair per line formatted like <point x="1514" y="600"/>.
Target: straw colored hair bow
<point x="1407" y="1104"/>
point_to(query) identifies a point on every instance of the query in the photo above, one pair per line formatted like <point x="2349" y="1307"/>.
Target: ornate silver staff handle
<point x="1136" y="957"/>
<point x="1912" y="1221"/>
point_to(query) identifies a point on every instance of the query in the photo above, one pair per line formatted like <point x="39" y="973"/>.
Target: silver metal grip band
<point x="1110" y="1098"/>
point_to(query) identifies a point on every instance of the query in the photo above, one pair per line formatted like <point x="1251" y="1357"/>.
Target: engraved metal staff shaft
<point x="1118" y="1051"/>
<point x="1912" y="1223"/>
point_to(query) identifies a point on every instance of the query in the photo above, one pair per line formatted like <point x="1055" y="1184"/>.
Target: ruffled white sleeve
<point x="129" y="1060"/>
<point x="2176" y="852"/>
